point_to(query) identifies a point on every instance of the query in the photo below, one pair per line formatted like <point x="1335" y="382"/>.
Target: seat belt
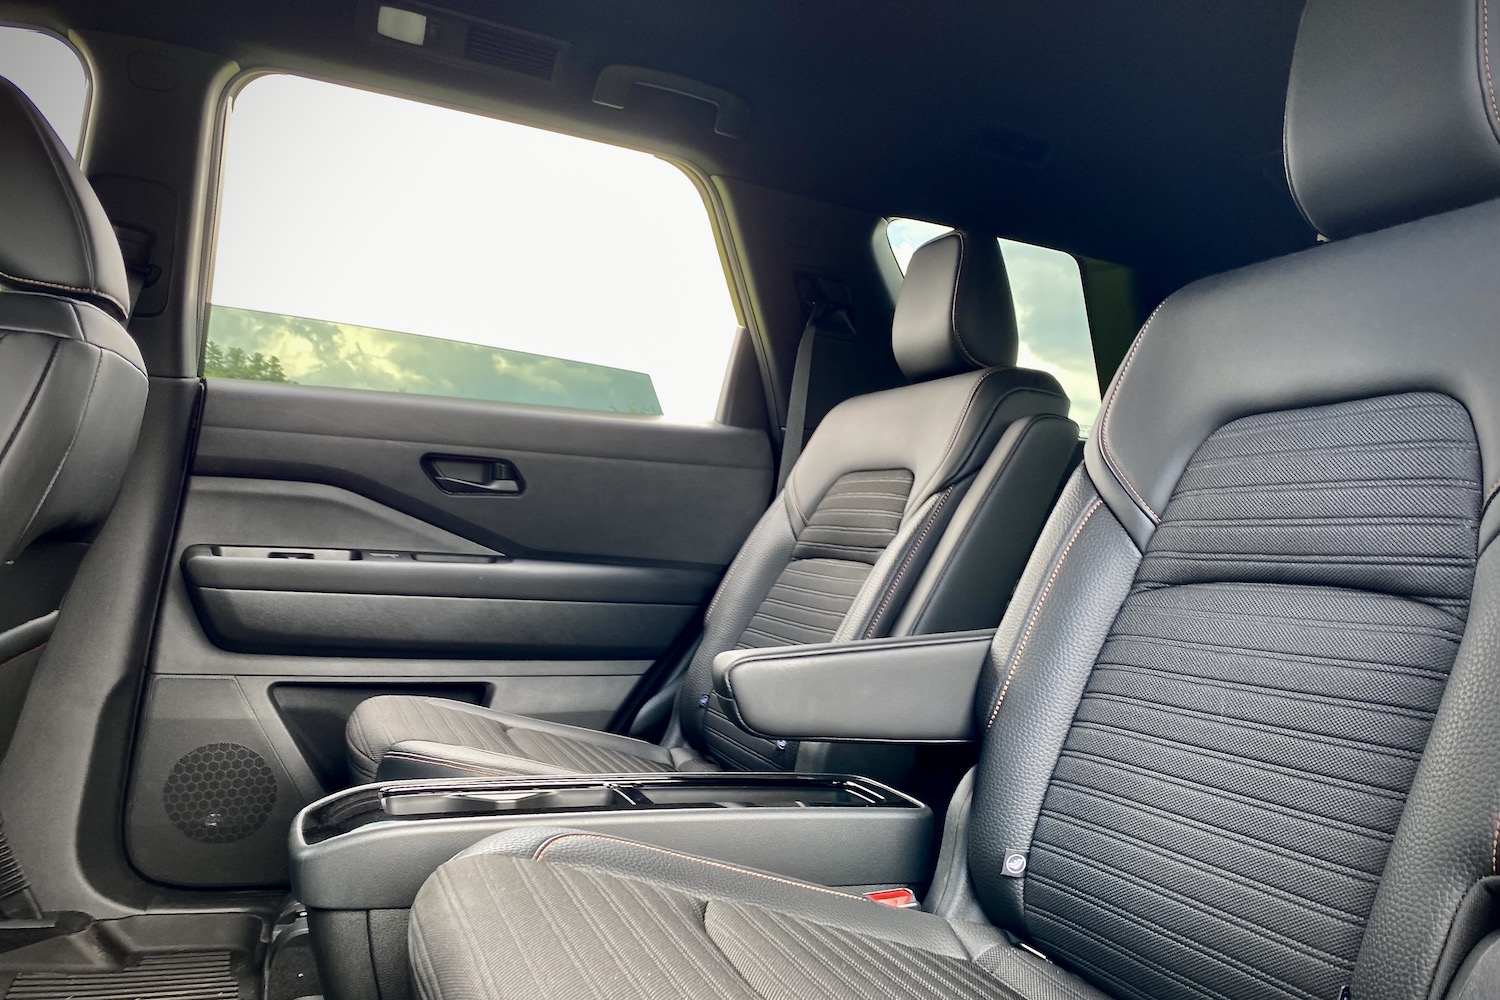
<point x="796" y="404"/>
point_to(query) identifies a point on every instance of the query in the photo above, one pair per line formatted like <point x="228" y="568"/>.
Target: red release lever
<point x="893" y="897"/>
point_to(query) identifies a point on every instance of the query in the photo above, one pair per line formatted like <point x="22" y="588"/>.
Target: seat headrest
<point x="1392" y="111"/>
<point x="56" y="237"/>
<point x="954" y="313"/>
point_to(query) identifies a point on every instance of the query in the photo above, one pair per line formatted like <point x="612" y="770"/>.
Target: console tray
<point x="806" y="826"/>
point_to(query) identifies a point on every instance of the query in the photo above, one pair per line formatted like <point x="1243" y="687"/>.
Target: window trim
<point x="729" y="262"/>
<point x="86" y="119"/>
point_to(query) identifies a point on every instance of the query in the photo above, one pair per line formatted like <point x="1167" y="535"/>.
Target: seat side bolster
<point x="880" y="690"/>
<point x="975" y="565"/>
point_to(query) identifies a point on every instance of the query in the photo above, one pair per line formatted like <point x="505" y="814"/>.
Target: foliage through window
<point x="1050" y="311"/>
<point x="372" y="242"/>
<point x="50" y="72"/>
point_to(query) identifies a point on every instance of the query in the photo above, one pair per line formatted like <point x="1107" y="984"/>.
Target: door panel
<point x="319" y="561"/>
<point x="614" y="486"/>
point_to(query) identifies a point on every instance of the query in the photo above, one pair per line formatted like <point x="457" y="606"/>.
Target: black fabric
<point x="857" y="518"/>
<point x="1218" y="820"/>
<point x="1377" y="494"/>
<point x="850" y="529"/>
<point x="589" y="931"/>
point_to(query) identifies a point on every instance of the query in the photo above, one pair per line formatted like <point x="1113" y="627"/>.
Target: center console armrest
<point x="904" y="690"/>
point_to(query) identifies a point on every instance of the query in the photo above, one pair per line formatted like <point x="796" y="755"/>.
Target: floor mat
<point x="168" y="976"/>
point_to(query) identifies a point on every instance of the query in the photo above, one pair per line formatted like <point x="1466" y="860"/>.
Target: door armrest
<point x="904" y="690"/>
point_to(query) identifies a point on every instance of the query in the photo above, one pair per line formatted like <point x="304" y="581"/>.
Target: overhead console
<point x="358" y="857"/>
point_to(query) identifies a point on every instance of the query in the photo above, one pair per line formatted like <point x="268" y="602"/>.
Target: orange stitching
<point x="1109" y="404"/>
<point x="958" y="273"/>
<point x="541" y="855"/>
<point x="911" y="554"/>
<point x="1036" y="612"/>
<point x="1489" y="78"/>
<point x="67" y="288"/>
<point x="964" y="414"/>
<point x="25" y="652"/>
<point x="1495" y="850"/>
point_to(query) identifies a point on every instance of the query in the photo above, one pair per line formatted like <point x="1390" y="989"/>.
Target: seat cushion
<point x="566" y="914"/>
<point x="405" y="736"/>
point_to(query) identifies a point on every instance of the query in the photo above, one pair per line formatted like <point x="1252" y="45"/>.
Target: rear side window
<point x="1050" y="310"/>
<point x="50" y="72"/>
<point x="373" y="242"/>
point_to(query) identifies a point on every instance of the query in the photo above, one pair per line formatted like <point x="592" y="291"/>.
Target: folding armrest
<point x="903" y="690"/>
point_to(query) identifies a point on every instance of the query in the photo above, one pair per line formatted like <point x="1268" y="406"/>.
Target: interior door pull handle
<point x="474" y="476"/>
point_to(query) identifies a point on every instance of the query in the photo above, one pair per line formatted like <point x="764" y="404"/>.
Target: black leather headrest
<point x="1392" y="112"/>
<point x="55" y="237"/>
<point x="954" y="313"/>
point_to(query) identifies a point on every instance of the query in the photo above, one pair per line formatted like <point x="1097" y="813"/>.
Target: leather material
<point x="1039" y="663"/>
<point x="632" y="921"/>
<point x="1243" y="715"/>
<point x="56" y="237"/>
<point x="1349" y="320"/>
<point x="401" y="736"/>
<point x="1260" y="705"/>
<point x="1446" y="845"/>
<point x="955" y="312"/>
<point x="1393" y="113"/>
<point x="985" y="543"/>
<point x="863" y="691"/>
<point x="943" y="433"/>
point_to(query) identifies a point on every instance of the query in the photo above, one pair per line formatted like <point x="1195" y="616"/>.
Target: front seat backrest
<point x="1242" y="716"/>
<point x="72" y="383"/>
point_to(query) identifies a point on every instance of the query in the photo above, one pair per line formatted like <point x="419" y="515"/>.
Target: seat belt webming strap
<point x="796" y="404"/>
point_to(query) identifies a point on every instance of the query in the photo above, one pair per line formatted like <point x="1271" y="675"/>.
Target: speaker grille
<point x="220" y="793"/>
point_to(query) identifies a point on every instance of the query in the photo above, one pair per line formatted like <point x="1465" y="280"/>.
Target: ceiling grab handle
<point x="616" y="82"/>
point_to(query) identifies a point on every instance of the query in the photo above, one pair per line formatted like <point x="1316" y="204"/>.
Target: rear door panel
<point x="317" y="563"/>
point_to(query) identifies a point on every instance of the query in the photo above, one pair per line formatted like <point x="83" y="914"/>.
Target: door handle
<point x="465" y="476"/>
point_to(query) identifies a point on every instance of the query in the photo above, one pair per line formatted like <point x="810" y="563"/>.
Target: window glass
<point x="373" y="242"/>
<point x="50" y="72"/>
<point x="1050" y="311"/>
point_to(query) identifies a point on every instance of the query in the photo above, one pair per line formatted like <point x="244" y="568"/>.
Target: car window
<point x="50" y="72"/>
<point x="1050" y="310"/>
<point x="372" y="242"/>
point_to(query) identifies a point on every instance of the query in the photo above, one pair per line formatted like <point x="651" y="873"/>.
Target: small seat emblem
<point x="1015" y="863"/>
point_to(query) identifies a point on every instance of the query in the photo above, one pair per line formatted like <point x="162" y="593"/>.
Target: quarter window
<point x="50" y="72"/>
<point x="1050" y="310"/>
<point x="373" y="242"/>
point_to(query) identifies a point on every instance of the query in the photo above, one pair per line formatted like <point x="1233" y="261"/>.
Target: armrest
<point x="907" y="690"/>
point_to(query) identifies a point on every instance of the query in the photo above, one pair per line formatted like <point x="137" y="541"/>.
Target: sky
<point x="50" y="73"/>
<point x="359" y="208"/>
<point x="1050" y="312"/>
<point x="343" y="205"/>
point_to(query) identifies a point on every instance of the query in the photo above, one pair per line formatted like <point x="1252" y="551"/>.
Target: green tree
<point x="236" y="363"/>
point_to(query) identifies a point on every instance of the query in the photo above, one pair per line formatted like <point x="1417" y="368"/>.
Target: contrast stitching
<point x="958" y="338"/>
<point x="964" y="413"/>
<point x="541" y="855"/>
<point x="1495" y="849"/>
<point x="1036" y="612"/>
<point x="24" y="652"/>
<point x="1489" y="78"/>
<point x="1109" y="404"/>
<point x="911" y="553"/>
<point x="67" y="288"/>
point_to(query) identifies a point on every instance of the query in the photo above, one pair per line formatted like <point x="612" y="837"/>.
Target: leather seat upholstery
<point x="72" y="383"/>
<point x="902" y="504"/>
<point x="1243" y="717"/>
